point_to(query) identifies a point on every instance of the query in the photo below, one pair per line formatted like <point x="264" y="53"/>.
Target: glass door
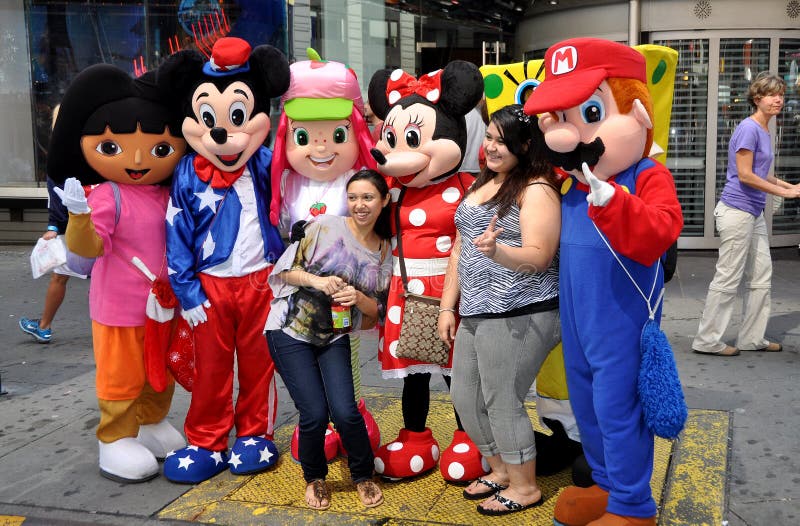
<point x="713" y="76"/>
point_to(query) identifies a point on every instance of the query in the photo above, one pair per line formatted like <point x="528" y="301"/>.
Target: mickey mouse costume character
<point x="321" y="140"/>
<point x="421" y="147"/>
<point x="620" y="213"/>
<point x="221" y="247"/>
<point x="119" y="134"/>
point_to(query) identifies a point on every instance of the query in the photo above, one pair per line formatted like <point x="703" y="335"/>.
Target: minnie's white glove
<point x="196" y="315"/>
<point x="73" y="197"/>
<point x="601" y="193"/>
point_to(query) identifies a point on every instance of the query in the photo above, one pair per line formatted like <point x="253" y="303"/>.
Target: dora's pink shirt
<point x="118" y="290"/>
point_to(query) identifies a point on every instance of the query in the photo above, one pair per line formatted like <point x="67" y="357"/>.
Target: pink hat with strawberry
<point x="321" y="90"/>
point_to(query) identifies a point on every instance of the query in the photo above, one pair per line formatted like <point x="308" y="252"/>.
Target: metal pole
<point x="634" y="22"/>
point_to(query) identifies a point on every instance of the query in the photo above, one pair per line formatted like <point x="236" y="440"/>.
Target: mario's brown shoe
<point x="610" y="519"/>
<point x="580" y="506"/>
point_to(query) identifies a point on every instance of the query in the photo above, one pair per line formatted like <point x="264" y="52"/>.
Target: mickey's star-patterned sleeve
<point x="642" y="226"/>
<point x="180" y="223"/>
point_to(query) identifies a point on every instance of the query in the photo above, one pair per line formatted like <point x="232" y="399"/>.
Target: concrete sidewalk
<point x="48" y="452"/>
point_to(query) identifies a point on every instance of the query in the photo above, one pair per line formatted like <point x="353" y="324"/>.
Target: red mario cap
<point x="228" y="56"/>
<point x="576" y="67"/>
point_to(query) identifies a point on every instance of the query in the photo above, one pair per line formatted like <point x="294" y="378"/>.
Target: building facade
<point x="722" y="44"/>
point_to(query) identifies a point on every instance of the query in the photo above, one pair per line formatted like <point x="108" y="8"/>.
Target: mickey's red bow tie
<point x="207" y="171"/>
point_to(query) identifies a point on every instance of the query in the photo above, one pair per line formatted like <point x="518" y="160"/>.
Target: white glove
<point x="196" y="315"/>
<point x="601" y="193"/>
<point x="73" y="197"/>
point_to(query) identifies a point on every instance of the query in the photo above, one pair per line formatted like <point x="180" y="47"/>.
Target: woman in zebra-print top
<point x="504" y="268"/>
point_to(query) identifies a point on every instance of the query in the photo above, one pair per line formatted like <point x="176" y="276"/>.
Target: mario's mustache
<point x="588" y="153"/>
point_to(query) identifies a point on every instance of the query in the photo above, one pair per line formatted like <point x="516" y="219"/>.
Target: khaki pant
<point x="743" y="253"/>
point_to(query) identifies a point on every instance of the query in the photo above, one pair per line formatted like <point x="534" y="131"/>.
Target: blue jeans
<point x="320" y="382"/>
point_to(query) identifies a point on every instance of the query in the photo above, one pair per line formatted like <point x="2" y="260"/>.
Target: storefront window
<point x="17" y="153"/>
<point x="687" y="136"/>
<point x="787" y="149"/>
<point x="740" y="60"/>
<point x="64" y="37"/>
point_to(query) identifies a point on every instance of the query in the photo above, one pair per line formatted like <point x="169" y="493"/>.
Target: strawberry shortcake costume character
<point x="119" y="134"/>
<point x="220" y="249"/>
<point x="421" y="146"/>
<point x="321" y="140"/>
<point x="620" y="213"/>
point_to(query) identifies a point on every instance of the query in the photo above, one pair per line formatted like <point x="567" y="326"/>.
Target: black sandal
<point x="511" y="506"/>
<point x="494" y="488"/>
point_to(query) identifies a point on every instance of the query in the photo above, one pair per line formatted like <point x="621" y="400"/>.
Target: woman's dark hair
<point x="383" y="225"/>
<point x="525" y="141"/>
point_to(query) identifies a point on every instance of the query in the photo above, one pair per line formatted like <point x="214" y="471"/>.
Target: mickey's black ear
<point x="377" y="93"/>
<point x="462" y="87"/>
<point x="177" y="76"/>
<point x="272" y="70"/>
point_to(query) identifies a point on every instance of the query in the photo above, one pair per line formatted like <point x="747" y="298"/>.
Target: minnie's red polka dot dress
<point x="429" y="231"/>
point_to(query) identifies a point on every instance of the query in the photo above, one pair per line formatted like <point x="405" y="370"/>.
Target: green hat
<point x="321" y="90"/>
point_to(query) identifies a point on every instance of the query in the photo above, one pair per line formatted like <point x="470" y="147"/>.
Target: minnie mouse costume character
<point x="421" y="146"/>
<point x="119" y="134"/>
<point x="320" y="142"/>
<point x="221" y="247"/>
<point x="620" y="213"/>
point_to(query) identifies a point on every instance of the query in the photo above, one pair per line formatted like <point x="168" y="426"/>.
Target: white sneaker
<point x="126" y="460"/>
<point x="160" y="438"/>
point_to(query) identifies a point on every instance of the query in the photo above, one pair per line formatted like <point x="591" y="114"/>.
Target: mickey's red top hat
<point x="576" y="67"/>
<point x="228" y="56"/>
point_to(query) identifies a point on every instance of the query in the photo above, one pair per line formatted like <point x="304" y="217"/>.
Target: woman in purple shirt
<point x="744" y="244"/>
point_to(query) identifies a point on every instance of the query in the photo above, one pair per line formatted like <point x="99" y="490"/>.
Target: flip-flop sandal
<point x="321" y="492"/>
<point x="494" y="488"/>
<point x="510" y="505"/>
<point x="369" y="490"/>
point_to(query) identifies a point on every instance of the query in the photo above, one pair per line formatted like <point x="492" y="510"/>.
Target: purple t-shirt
<point x="748" y="135"/>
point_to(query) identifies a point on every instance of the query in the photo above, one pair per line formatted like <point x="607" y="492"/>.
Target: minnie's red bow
<point x="402" y="84"/>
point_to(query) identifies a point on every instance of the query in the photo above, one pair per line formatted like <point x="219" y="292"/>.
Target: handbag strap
<point x="403" y="274"/>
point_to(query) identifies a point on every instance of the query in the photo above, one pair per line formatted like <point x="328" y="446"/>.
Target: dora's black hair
<point x="104" y="96"/>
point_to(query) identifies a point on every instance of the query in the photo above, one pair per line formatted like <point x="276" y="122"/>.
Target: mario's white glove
<point x="196" y="315"/>
<point x="73" y="197"/>
<point x="601" y="192"/>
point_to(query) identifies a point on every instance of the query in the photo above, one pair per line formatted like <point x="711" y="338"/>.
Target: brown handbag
<point x="419" y="334"/>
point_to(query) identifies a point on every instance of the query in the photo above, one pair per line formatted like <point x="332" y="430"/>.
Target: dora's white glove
<point x="601" y="192"/>
<point x="196" y="315"/>
<point x="73" y="197"/>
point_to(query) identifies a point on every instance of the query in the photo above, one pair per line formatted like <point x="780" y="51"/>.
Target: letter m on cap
<point x="564" y="60"/>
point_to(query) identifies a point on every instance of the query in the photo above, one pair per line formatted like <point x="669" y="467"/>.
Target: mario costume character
<point x="321" y="140"/>
<point x="119" y="134"/>
<point x="422" y="144"/>
<point x="220" y="249"/>
<point x="620" y="213"/>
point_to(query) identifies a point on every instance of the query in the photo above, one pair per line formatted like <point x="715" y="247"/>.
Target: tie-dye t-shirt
<point x="328" y="249"/>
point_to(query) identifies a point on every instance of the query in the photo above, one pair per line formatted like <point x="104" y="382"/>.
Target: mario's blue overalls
<point x="602" y="316"/>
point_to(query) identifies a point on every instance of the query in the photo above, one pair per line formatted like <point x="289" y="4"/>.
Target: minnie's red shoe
<point x="332" y="444"/>
<point x="461" y="461"/>
<point x="372" y="429"/>
<point x="409" y="455"/>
